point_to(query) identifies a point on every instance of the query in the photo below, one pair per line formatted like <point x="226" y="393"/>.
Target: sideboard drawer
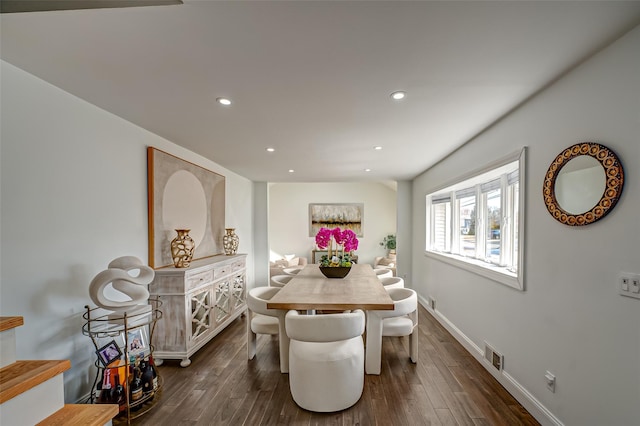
<point x="198" y="279"/>
<point x="237" y="266"/>
<point x="222" y="271"/>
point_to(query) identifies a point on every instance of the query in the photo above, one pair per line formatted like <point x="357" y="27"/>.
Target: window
<point x="477" y="223"/>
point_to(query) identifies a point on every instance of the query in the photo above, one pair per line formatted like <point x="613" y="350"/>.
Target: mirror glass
<point x="583" y="184"/>
<point x="580" y="184"/>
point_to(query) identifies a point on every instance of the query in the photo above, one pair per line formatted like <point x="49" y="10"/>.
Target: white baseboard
<point x="524" y="397"/>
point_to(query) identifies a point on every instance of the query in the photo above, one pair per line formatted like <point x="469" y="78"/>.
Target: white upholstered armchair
<point x="381" y="262"/>
<point x="326" y="360"/>
<point x="276" y="267"/>
<point x="402" y="321"/>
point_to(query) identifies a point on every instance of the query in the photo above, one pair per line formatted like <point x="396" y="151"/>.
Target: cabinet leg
<point x="185" y="362"/>
<point x="158" y="361"/>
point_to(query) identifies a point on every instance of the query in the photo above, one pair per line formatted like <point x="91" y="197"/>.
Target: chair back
<point x="405" y="301"/>
<point x="383" y="272"/>
<point x="292" y="271"/>
<point x="257" y="299"/>
<point x="324" y="328"/>
<point x="280" y="280"/>
<point x="392" y="282"/>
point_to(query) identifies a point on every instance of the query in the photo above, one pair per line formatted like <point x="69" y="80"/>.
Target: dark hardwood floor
<point x="446" y="387"/>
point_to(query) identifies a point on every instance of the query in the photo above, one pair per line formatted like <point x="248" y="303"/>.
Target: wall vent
<point x="494" y="357"/>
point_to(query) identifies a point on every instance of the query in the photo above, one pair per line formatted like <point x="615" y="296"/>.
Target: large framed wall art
<point x="344" y="216"/>
<point x="183" y="195"/>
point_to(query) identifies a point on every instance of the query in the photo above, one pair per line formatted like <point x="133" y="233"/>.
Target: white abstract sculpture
<point x="122" y="281"/>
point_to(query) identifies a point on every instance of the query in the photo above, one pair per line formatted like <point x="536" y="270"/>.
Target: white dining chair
<point x="280" y="280"/>
<point x="392" y="282"/>
<point x="292" y="271"/>
<point x="326" y="360"/>
<point x="383" y="272"/>
<point x="261" y="320"/>
<point x="402" y="321"/>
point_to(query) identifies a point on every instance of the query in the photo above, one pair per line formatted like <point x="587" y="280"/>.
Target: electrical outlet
<point x="551" y="381"/>
<point x="629" y="284"/>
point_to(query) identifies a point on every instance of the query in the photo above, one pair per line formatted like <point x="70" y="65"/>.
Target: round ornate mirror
<point x="583" y="184"/>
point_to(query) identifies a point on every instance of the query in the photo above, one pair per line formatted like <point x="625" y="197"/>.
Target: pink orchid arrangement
<point x="346" y="241"/>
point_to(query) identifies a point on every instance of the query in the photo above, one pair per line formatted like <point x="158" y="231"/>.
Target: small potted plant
<point x="389" y="243"/>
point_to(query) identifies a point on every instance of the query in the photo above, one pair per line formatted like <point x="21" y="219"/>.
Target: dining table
<point x="310" y="290"/>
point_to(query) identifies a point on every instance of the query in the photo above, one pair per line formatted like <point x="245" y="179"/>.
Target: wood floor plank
<point x="447" y="387"/>
<point x="424" y="403"/>
<point x="496" y="411"/>
<point x="446" y="418"/>
<point x="457" y="409"/>
<point x="469" y="405"/>
<point x="277" y="400"/>
<point x="428" y="382"/>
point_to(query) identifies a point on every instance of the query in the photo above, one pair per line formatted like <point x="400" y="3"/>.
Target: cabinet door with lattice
<point x="238" y="291"/>
<point x="202" y="308"/>
<point x="223" y="301"/>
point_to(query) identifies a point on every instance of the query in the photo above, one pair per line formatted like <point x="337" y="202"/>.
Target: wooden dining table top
<point x="309" y="289"/>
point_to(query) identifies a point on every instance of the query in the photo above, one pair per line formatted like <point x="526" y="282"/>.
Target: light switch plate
<point x="629" y="284"/>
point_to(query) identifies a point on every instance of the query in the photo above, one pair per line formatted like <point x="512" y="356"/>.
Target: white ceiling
<point x="312" y="79"/>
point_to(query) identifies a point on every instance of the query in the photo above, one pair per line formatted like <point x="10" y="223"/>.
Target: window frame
<point x="514" y="243"/>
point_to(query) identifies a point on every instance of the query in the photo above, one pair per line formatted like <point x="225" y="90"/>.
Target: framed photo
<point x="343" y="216"/>
<point x="109" y="353"/>
<point x="137" y="341"/>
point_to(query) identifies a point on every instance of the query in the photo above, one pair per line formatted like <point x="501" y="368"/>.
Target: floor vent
<point x="494" y="357"/>
<point x="432" y="303"/>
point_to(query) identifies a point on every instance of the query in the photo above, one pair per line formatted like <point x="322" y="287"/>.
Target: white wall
<point x="405" y="232"/>
<point x="74" y="197"/>
<point x="570" y="320"/>
<point x="261" y="231"/>
<point x="289" y="215"/>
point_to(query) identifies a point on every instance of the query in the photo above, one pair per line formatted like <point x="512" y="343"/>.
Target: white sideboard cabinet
<point x="197" y="302"/>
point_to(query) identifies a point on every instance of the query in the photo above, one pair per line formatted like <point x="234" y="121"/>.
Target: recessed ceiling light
<point x="398" y="95"/>
<point x="377" y="148"/>
<point x="367" y="170"/>
<point x="271" y="149"/>
<point x="224" y="101"/>
<point x="291" y="170"/>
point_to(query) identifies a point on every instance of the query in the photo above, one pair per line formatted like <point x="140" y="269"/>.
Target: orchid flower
<point x="347" y="241"/>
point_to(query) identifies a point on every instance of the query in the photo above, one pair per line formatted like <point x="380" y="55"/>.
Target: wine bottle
<point x="98" y="395"/>
<point x="105" y="387"/>
<point x="117" y="393"/>
<point x="136" y="386"/>
<point x="147" y="378"/>
<point x="155" y="373"/>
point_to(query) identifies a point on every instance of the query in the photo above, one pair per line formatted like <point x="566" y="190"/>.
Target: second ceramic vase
<point x="230" y="242"/>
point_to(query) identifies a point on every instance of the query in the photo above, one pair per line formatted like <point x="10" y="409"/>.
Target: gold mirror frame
<point x="614" y="175"/>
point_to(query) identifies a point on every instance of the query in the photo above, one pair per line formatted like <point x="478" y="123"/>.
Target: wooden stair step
<point x="82" y="415"/>
<point x="21" y="376"/>
<point x="7" y="323"/>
